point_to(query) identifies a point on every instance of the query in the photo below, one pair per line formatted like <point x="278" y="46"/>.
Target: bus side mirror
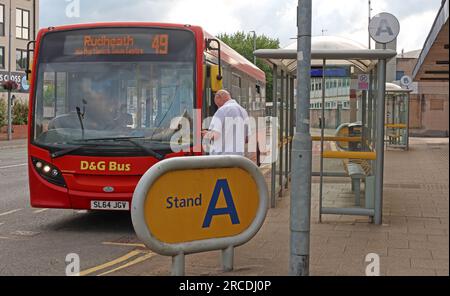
<point x="29" y="60"/>
<point x="216" y="70"/>
<point x="216" y="78"/>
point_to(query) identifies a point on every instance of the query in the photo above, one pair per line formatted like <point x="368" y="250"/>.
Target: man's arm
<point x="215" y="128"/>
<point x="211" y="134"/>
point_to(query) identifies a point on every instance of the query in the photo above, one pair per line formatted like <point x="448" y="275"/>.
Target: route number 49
<point x="160" y="44"/>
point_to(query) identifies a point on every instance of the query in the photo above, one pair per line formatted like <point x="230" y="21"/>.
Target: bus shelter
<point x="397" y="117"/>
<point x="364" y="162"/>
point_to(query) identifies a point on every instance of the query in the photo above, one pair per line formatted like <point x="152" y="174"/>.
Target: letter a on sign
<point x="221" y="186"/>
<point x="384" y="27"/>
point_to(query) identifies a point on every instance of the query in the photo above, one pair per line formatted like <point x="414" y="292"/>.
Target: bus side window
<point x="61" y="93"/>
<point x="236" y="87"/>
<point x="49" y="93"/>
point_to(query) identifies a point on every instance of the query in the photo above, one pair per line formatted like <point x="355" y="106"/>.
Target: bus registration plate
<point x="110" y="205"/>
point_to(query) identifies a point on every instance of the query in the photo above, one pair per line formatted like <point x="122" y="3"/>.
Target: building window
<point x="2" y="57"/>
<point x="21" y="59"/>
<point x="22" y="24"/>
<point x="2" y="20"/>
<point x="399" y="75"/>
<point x="436" y="105"/>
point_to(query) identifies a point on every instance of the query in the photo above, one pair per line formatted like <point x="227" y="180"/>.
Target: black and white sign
<point x="384" y="28"/>
<point x="406" y="81"/>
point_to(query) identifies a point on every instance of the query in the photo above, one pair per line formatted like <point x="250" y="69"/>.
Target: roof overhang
<point x="364" y="59"/>
<point x="433" y="62"/>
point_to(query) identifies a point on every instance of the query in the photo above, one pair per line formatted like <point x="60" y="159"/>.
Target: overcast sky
<point x="274" y="18"/>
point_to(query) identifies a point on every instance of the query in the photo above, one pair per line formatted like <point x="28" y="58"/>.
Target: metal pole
<point x="289" y="124"/>
<point x="322" y="135"/>
<point x="370" y="110"/>
<point x="408" y="96"/>
<point x="375" y="108"/>
<point x="178" y="265"/>
<point x="254" y="47"/>
<point x="380" y="115"/>
<point x="9" y="75"/>
<point x="370" y="14"/>
<point x="364" y="119"/>
<point x="273" y="202"/>
<point x="280" y="169"/>
<point x="300" y="216"/>
<point x="291" y="119"/>
<point x="228" y="258"/>
<point x="286" y="133"/>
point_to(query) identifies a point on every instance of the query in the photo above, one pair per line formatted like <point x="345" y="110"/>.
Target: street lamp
<point x="9" y="76"/>
<point x="254" y="46"/>
<point x="370" y="17"/>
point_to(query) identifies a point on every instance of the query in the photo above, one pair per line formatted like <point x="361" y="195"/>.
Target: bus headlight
<point x="49" y="172"/>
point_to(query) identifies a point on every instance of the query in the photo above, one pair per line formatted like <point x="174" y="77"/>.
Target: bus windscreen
<point x="112" y="83"/>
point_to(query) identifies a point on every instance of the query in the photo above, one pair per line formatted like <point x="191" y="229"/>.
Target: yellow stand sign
<point x="196" y="204"/>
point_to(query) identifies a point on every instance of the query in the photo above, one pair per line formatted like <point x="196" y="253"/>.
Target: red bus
<point x="102" y="99"/>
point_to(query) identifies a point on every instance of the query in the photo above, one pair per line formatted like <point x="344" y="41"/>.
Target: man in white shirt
<point x="227" y="130"/>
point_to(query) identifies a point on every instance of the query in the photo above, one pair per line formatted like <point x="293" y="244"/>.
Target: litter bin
<point x="354" y="130"/>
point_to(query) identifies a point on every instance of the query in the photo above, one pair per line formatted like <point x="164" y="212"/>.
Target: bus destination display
<point x="116" y="44"/>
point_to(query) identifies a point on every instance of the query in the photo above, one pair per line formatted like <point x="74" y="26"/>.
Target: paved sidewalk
<point x="13" y="144"/>
<point x="414" y="239"/>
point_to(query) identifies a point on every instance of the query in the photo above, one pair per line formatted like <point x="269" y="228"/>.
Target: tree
<point x="243" y="44"/>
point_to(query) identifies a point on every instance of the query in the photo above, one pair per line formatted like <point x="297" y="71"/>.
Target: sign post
<point x="189" y="205"/>
<point x="300" y="212"/>
<point x="383" y="28"/>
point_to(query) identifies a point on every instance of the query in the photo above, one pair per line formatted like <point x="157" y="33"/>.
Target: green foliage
<point x="243" y="44"/>
<point x="3" y="112"/>
<point x="49" y="94"/>
<point x="20" y="113"/>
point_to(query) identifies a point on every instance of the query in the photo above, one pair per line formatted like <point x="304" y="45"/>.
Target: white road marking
<point x="40" y="211"/>
<point x="13" y="166"/>
<point x="10" y="212"/>
<point x="25" y="233"/>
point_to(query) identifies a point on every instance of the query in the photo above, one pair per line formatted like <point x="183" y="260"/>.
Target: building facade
<point x="21" y="17"/>
<point x="430" y="110"/>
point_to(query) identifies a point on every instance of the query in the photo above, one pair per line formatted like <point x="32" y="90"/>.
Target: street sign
<point x="384" y="28"/>
<point x="406" y="81"/>
<point x="188" y="205"/>
<point x="363" y="82"/>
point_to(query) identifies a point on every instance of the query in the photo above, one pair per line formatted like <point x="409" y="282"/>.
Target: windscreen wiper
<point x="68" y="151"/>
<point x="145" y="148"/>
<point x="81" y="116"/>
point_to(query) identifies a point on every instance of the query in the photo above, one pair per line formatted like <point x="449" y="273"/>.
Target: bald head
<point x="222" y="96"/>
